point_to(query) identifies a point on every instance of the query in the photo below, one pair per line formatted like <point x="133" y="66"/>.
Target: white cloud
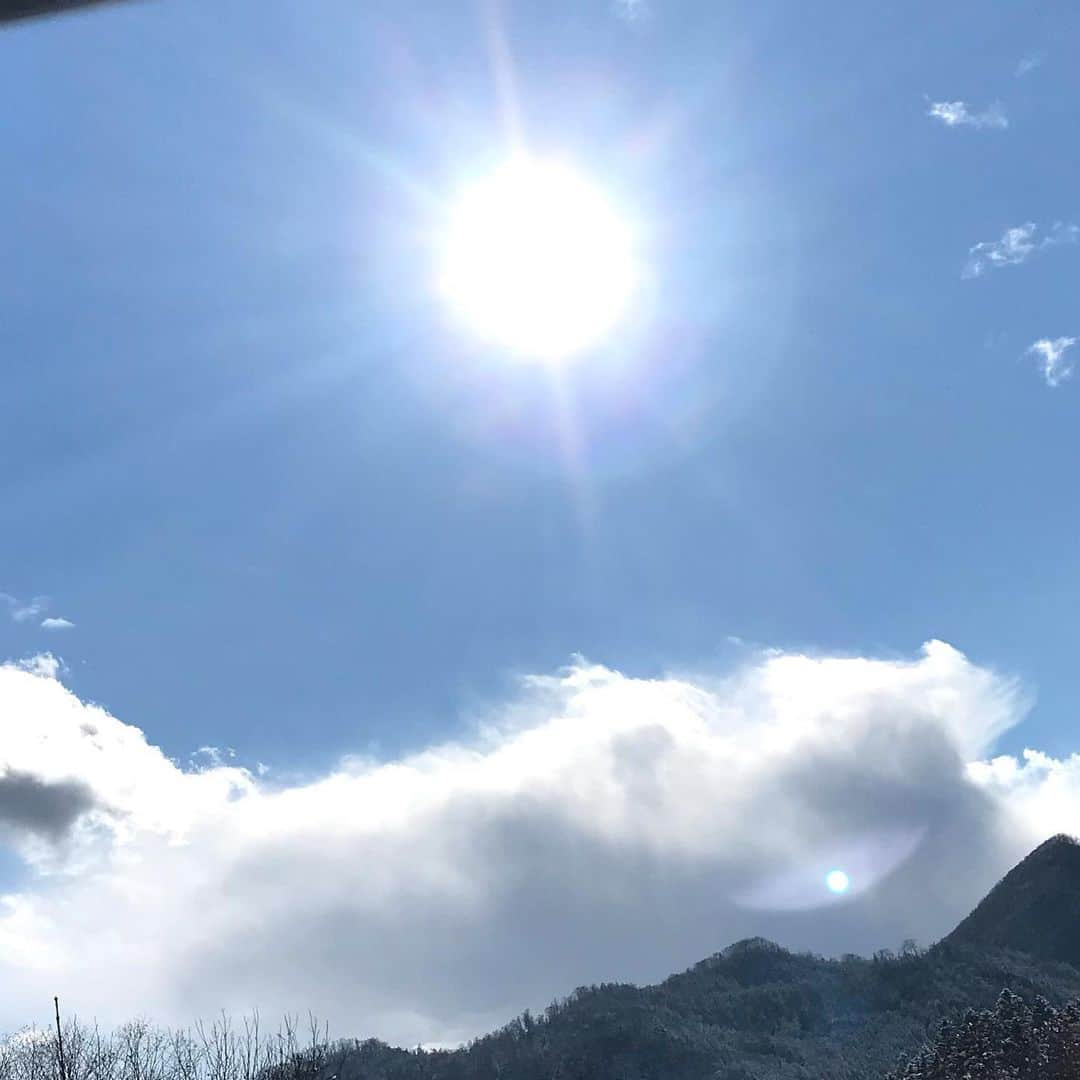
<point x="1029" y="62"/>
<point x="1051" y="352"/>
<point x="598" y="827"/>
<point x="1017" y="245"/>
<point x="33" y="611"/>
<point x="210" y="757"/>
<point x="958" y="114"/>
<point x="1037" y="787"/>
<point x="44" y="664"/>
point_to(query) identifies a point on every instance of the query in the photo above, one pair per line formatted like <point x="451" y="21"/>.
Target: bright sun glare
<point x="537" y="261"/>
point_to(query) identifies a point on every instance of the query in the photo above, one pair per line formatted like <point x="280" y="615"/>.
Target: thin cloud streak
<point x="958" y="114"/>
<point x="1016" y="246"/>
<point x="1029" y="62"/>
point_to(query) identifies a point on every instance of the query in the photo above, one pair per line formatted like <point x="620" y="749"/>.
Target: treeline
<point x="753" y="1012"/>
<point x="138" y="1050"/>
<point x="1015" y="1040"/>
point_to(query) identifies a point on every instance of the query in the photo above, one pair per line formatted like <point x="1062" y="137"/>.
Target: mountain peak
<point x="1060" y="840"/>
<point x="1034" y="908"/>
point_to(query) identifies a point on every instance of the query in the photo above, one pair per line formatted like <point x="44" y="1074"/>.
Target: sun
<point x="536" y="261"/>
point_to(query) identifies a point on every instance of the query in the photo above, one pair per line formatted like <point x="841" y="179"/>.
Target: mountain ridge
<point x="756" y="1011"/>
<point x="1034" y="908"/>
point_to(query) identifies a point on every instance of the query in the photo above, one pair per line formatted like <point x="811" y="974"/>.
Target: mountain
<point x="1034" y="909"/>
<point x="752" y="1012"/>
<point x="758" y="1012"/>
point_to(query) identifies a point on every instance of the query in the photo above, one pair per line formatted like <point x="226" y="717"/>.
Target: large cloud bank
<point x="598" y="827"/>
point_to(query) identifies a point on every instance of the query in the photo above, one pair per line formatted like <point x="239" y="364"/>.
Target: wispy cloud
<point x="1056" y="366"/>
<point x="44" y="665"/>
<point x="633" y="11"/>
<point x="23" y="611"/>
<point x="1017" y="245"/>
<point x="958" y="114"/>
<point x="33" y="611"/>
<point x="1029" y="62"/>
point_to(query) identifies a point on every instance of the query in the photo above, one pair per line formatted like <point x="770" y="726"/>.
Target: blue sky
<point x="294" y="509"/>
<point x="248" y="458"/>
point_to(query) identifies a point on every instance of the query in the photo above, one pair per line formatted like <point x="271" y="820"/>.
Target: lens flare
<point x="837" y="881"/>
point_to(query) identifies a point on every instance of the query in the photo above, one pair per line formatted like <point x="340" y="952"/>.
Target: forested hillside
<point x="752" y="1011"/>
<point x="1015" y="1040"/>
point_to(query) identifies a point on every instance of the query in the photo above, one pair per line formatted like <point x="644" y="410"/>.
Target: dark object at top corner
<point x="15" y="10"/>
